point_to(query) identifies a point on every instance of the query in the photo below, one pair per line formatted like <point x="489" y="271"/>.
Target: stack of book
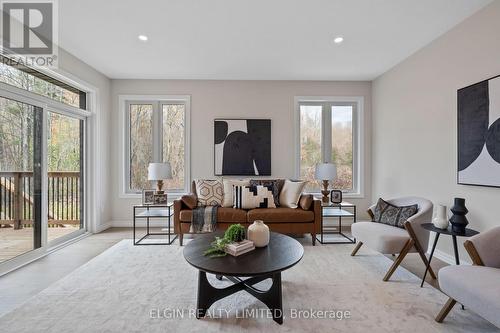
<point x="238" y="248"/>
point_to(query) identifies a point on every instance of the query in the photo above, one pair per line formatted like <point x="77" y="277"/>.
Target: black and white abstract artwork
<point x="479" y="133"/>
<point x="242" y="147"/>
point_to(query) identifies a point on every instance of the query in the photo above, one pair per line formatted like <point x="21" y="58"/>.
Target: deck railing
<point x="16" y="198"/>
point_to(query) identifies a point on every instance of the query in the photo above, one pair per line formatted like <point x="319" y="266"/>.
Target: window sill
<point x="170" y="196"/>
<point x="350" y="195"/>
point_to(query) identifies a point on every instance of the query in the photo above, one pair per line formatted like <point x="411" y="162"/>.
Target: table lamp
<point x="325" y="172"/>
<point x="159" y="172"/>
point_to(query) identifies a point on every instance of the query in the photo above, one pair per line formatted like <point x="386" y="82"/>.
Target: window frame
<point x="358" y="136"/>
<point x="157" y="101"/>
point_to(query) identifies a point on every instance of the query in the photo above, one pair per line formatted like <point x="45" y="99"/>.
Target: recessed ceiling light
<point x="143" y="38"/>
<point x="338" y="40"/>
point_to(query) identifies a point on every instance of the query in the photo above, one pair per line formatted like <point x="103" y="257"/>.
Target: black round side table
<point x="448" y="231"/>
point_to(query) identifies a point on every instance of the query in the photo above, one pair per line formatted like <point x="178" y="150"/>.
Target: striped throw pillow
<point x="253" y="196"/>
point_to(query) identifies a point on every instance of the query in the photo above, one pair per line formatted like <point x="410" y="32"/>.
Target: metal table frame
<point x="154" y="212"/>
<point x="342" y="213"/>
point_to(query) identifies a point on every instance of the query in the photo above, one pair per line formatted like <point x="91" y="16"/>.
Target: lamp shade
<point x="325" y="171"/>
<point x="159" y="171"/>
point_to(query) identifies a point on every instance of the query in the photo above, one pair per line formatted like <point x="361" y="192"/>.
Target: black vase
<point x="458" y="220"/>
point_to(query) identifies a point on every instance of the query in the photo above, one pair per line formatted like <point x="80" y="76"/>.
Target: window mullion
<point x="326" y="132"/>
<point x="157" y="122"/>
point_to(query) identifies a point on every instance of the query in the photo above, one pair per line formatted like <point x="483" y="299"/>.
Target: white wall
<point x="73" y="67"/>
<point x="414" y="144"/>
<point x="212" y="99"/>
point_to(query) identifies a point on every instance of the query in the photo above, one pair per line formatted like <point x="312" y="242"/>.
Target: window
<point x="328" y="131"/>
<point x="157" y="131"/>
<point x="26" y="78"/>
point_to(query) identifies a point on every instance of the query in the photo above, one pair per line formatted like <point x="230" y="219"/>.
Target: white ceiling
<point x="253" y="39"/>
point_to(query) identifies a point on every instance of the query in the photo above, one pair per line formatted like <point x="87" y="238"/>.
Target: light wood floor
<point x="18" y="286"/>
<point x="15" y="242"/>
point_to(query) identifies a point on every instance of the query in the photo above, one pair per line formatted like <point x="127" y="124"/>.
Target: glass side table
<point x="154" y="212"/>
<point x="339" y="211"/>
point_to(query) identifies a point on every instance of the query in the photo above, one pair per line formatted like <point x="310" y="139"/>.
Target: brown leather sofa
<point x="282" y="220"/>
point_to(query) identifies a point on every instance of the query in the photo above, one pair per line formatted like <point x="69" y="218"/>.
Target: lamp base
<point x="325" y="192"/>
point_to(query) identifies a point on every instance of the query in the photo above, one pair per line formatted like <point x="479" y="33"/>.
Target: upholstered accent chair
<point x="388" y="239"/>
<point x="477" y="287"/>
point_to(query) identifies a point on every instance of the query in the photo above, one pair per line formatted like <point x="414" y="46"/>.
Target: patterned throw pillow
<point x="387" y="213"/>
<point x="249" y="197"/>
<point x="228" y="185"/>
<point x="275" y="184"/>
<point x="209" y="192"/>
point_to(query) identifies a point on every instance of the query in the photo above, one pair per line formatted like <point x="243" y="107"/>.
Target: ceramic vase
<point x="458" y="220"/>
<point x="258" y="233"/>
<point x="440" y="221"/>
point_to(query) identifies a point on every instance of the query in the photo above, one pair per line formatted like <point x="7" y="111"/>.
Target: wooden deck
<point x="15" y="242"/>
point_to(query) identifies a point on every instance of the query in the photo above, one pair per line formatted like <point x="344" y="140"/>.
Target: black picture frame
<point x="336" y="196"/>
<point x="148" y="197"/>
<point x="259" y="144"/>
<point x="459" y="134"/>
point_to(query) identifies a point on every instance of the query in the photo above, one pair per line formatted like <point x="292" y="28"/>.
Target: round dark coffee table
<point x="264" y="263"/>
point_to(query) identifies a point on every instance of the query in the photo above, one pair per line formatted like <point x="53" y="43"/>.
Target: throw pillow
<point x="209" y="192"/>
<point x="387" y="213"/>
<point x="249" y="197"/>
<point x="290" y="194"/>
<point x="189" y="200"/>
<point x="228" y="190"/>
<point x="306" y="201"/>
<point x="275" y="184"/>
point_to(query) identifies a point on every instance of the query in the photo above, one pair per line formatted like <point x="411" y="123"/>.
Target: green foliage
<point x="235" y="233"/>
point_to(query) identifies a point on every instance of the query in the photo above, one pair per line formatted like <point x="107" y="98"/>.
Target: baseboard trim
<point x="449" y="259"/>
<point x="142" y="224"/>
<point x="102" y="227"/>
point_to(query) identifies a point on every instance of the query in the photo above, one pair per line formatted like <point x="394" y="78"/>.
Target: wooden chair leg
<point x="420" y="250"/>
<point x="445" y="310"/>
<point x="356" y="249"/>
<point x="181" y="238"/>
<point x="399" y="259"/>
<point x="313" y="236"/>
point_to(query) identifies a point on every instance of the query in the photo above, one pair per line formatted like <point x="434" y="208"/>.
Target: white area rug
<point x="119" y="290"/>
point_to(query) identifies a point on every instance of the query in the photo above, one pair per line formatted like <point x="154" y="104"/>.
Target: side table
<point x="431" y="227"/>
<point x="337" y="210"/>
<point x="149" y="212"/>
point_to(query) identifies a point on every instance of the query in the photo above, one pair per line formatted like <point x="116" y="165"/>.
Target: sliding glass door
<point x="20" y="178"/>
<point x="41" y="172"/>
<point x="64" y="175"/>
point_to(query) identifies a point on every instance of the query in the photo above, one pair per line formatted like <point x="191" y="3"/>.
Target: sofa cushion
<point x="306" y="200"/>
<point x="228" y="185"/>
<point x="476" y="287"/>
<point x="209" y="192"/>
<point x="223" y="215"/>
<point x="274" y="184"/>
<point x="380" y="237"/>
<point x="290" y="194"/>
<point x="253" y="196"/>
<point x="190" y="200"/>
<point x="274" y="215"/>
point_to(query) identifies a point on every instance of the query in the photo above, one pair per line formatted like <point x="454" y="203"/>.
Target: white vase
<point x="258" y="233"/>
<point x="440" y="220"/>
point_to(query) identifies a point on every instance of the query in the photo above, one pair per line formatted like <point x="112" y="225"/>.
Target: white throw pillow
<point x="253" y="196"/>
<point x="209" y="192"/>
<point x="228" y="189"/>
<point x="290" y="194"/>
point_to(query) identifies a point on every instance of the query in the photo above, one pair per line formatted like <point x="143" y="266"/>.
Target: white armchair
<point x="388" y="239"/>
<point x="478" y="286"/>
